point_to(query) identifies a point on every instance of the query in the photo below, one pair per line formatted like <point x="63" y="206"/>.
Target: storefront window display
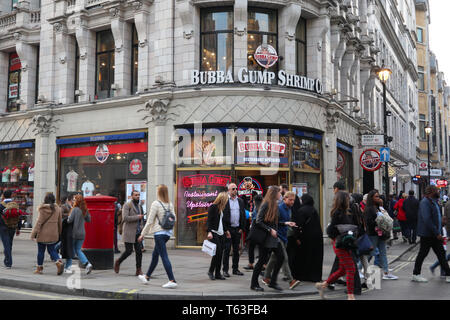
<point x="107" y="165"/>
<point x="17" y="175"/>
<point x="344" y="165"/>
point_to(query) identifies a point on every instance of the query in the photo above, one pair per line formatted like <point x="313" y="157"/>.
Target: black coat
<point x="214" y="219"/>
<point x="270" y="242"/>
<point x="66" y="240"/>
<point x="411" y="208"/>
<point x="227" y="215"/>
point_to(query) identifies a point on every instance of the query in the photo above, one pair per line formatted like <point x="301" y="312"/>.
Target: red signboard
<point x="370" y="160"/>
<point x="441" y="183"/>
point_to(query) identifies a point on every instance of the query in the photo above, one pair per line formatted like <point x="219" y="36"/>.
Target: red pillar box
<point x="99" y="242"/>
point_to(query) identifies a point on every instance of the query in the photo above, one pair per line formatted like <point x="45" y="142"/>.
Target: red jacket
<point x="401" y="216"/>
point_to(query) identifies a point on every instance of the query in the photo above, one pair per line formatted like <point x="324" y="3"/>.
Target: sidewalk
<point x="189" y="266"/>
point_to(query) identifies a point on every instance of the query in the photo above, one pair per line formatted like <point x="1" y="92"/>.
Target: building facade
<point x="112" y="96"/>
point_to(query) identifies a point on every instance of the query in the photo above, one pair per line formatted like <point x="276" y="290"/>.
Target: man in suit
<point x="234" y="217"/>
<point x="132" y="226"/>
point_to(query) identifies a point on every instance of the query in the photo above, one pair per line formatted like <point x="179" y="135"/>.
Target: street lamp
<point x="428" y="131"/>
<point x="384" y="74"/>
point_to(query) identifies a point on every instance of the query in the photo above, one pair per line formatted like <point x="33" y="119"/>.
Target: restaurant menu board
<point x="263" y="151"/>
<point x="196" y="193"/>
<point x="141" y="187"/>
<point x="306" y="154"/>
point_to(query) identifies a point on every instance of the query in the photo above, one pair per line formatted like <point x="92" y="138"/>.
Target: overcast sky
<point x="440" y="34"/>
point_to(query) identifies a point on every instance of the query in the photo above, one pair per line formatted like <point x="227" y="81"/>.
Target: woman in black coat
<point x="216" y="233"/>
<point x="305" y="244"/>
<point x="67" y="250"/>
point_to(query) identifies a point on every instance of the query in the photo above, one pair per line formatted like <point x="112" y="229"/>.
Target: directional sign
<point x="385" y="154"/>
<point x="433" y="173"/>
<point x="372" y="140"/>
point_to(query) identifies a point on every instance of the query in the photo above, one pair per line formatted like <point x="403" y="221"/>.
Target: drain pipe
<point x="173" y="42"/>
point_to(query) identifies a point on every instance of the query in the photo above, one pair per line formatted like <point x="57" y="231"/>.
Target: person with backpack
<point x="9" y="225"/>
<point x="160" y="223"/>
<point x="379" y="227"/>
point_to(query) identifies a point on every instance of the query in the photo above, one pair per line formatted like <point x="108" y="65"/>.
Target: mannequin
<point x="88" y="188"/>
<point x="15" y="174"/>
<point x="5" y="174"/>
<point x="31" y="173"/>
<point x="72" y="178"/>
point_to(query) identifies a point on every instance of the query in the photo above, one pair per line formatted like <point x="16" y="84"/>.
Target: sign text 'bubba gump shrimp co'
<point x="266" y="56"/>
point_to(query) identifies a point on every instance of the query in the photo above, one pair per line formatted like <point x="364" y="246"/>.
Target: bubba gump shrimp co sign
<point x="370" y="160"/>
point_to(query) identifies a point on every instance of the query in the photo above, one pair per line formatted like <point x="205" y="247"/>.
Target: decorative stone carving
<point x="114" y="12"/>
<point x="240" y="32"/>
<point x="143" y="44"/>
<point x="44" y="124"/>
<point x="58" y="27"/>
<point x="157" y="111"/>
<point x="17" y="36"/>
<point x="332" y="117"/>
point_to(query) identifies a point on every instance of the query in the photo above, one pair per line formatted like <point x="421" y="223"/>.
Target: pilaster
<point x="142" y="22"/>
<point x="240" y="35"/>
<point x="289" y="17"/>
<point x="28" y="58"/>
<point x="4" y="64"/>
<point x="86" y="43"/>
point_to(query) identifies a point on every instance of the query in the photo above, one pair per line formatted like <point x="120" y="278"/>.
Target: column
<point x="317" y="30"/>
<point x="28" y="58"/>
<point x="121" y="31"/>
<point x="289" y="17"/>
<point x="86" y="43"/>
<point x="240" y="35"/>
<point x="142" y="22"/>
<point x="4" y="64"/>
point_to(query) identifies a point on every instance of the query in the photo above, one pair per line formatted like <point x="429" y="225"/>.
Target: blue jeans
<point x="160" y="250"/>
<point x="7" y="235"/>
<point x="381" y="245"/>
<point x="436" y="264"/>
<point x="77" y="244"/>
<point x="41" y="252"/>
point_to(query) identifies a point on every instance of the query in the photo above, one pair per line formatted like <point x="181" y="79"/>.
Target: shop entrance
<point x="260" y="181"/>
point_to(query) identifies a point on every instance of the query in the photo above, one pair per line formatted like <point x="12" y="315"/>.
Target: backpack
<point x="384" y="222"/>
<point x="11" y="215"/>
<point x="119" y="221"/>
<point x="168" y="221"/>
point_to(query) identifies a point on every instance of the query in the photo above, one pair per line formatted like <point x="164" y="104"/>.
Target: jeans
<point x="41" y="253"/>
<point x="426" y="243"/>
<point x="7" y="235"/>
<point x="436" y="264"/>
<point x="216" y="261"/>
<point x="161" y="250"/>
<point x="285" y="265"/>
<point x="235" y="242"/>
<point x="129" y="250"/>
<point x="381" y="245"/>
<point x="263" y="256"/>
<point x="77" y="244"/>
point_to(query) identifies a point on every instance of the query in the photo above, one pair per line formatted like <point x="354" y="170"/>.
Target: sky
<point x="439" y="34"/>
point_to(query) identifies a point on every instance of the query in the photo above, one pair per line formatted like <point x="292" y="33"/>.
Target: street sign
<point x="385" y="154"/>
<point x="370" y="160"/>
<point x="423" y="165"/>
<point x="372" y="140"/>
<point x="433" y="172"/>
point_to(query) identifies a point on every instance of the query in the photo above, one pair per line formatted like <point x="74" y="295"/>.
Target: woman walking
<point x="46" y="232"/>
<point x="216" y="233"/>
<point x="401" y="217"/>
<point x="267" y="220"/>
<point x="340" y="215"/>
<point x="78" y="216"/>
<point x="161" y="236"/>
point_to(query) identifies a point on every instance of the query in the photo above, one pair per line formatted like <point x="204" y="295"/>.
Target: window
<point x="300" y="39"/>
<point x="36" y="92"/>
<point x="134" y="61"/>
<point x="419" y="35"/>
<point x="13" y="2"/>
<point x="104" y="64"/>
<point x="216" y="39"/>
<point x="421" y="79"/>
<point x="77" y="71"/>
<point x="262" y="30"/>
<point x="13" y="82"/>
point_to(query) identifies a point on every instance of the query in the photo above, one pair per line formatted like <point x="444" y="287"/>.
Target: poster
<point x="141" y="187"/>
<point x="306" y="154"/>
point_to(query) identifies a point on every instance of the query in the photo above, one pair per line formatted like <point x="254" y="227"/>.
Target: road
<point x="21" y="294"/>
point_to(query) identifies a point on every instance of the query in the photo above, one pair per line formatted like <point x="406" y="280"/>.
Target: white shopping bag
<point x="209" y="247"/>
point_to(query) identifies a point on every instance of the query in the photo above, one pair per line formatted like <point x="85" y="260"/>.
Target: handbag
<point x="257" y="235"/>
<point x="347" y="236"/>
<point x="209" y="248"/>
<point x="365" y="246"/>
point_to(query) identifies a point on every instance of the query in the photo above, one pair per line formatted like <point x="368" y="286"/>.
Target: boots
<point x="139" y="272"/>
<point x="38" y="270"/>
<point x="60" y="267"/>
<point x="116" y="266"/>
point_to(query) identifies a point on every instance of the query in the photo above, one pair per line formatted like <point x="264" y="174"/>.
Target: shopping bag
<point x="209" y="247"/>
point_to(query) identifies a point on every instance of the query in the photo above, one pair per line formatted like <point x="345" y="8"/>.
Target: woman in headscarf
<point x="305" y="244"/>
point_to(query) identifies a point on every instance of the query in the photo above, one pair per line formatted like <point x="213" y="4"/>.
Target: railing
<point x="35" y="16"/>
<point x="8" y="20"/>
<point x="92" y="3"/>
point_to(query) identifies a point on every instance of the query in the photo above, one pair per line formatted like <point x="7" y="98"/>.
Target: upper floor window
<point x="421" y="78"/>
<point x="13" y="2"/>
<point x="216" y="36"/>
<point x="14" y="72"/>
<point x="300" y="40"/>
<point x="77" y="71"/>
<point x="262" y="30"/>
<point x="134" y="61"/>
<point x="104" y="64"/>
<point x="420" y="35"/>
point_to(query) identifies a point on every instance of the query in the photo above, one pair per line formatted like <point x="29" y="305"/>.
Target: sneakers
<point x="88" y="268"/>
<point x="447" y="279"/>
<point x="389" y="276"/>
<point x="266" y="281"/>
<point x="143" y="278"/>
<point x="68" y="270"/>
<point x="293" y="284"/>
<point x="321" y="290"/>
<point x="170" y="285"/>
<point x="418" y="278"/>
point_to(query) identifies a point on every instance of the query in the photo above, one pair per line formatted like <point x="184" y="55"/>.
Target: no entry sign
<point x="370" y="160"/>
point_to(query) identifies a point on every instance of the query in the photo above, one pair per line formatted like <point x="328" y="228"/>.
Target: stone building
<point x="109" y="96"/>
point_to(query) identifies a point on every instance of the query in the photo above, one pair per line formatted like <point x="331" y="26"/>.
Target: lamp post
<point x="384" y="74"/>
<point x="428" y="131"/>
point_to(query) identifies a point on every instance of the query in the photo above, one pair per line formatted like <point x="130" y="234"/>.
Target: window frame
<point x="134" y="45"/>
<point x="216" y="33"/>
<point x="77" y="72"/>
<point x="304" y="42"/>
<point x="421" y="84"/>
<point x="110" y="66"/>
<point x="420" y="39"/>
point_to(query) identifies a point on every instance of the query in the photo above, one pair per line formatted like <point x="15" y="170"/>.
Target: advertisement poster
<point x="141" y="187"/>
<point x="306" y="154"/>
<point x="263" y="152"/>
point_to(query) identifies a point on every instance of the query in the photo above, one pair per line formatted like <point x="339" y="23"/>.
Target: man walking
<point x="132" y="226"/>
<point x="284" y="221"/>
<point x="234" y="217"/>
<point x="429" y="229"/>
<point x="411" y="208"/>
<point x="9" y="222"/>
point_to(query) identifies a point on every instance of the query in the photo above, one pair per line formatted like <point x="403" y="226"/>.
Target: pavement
<point x="190" y="268"/>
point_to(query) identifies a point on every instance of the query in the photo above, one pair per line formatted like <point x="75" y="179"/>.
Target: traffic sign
<point x="433" y="172"/>
<point x="385" y="154"/>
<point x="372" y="140"/>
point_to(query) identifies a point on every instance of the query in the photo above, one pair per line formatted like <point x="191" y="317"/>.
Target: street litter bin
<point x="99" y="242"/>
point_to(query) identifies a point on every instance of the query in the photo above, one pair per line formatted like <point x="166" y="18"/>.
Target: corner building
<point x="102" y="97"/>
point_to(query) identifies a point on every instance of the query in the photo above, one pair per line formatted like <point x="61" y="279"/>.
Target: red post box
<point x="99" y="242"/>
